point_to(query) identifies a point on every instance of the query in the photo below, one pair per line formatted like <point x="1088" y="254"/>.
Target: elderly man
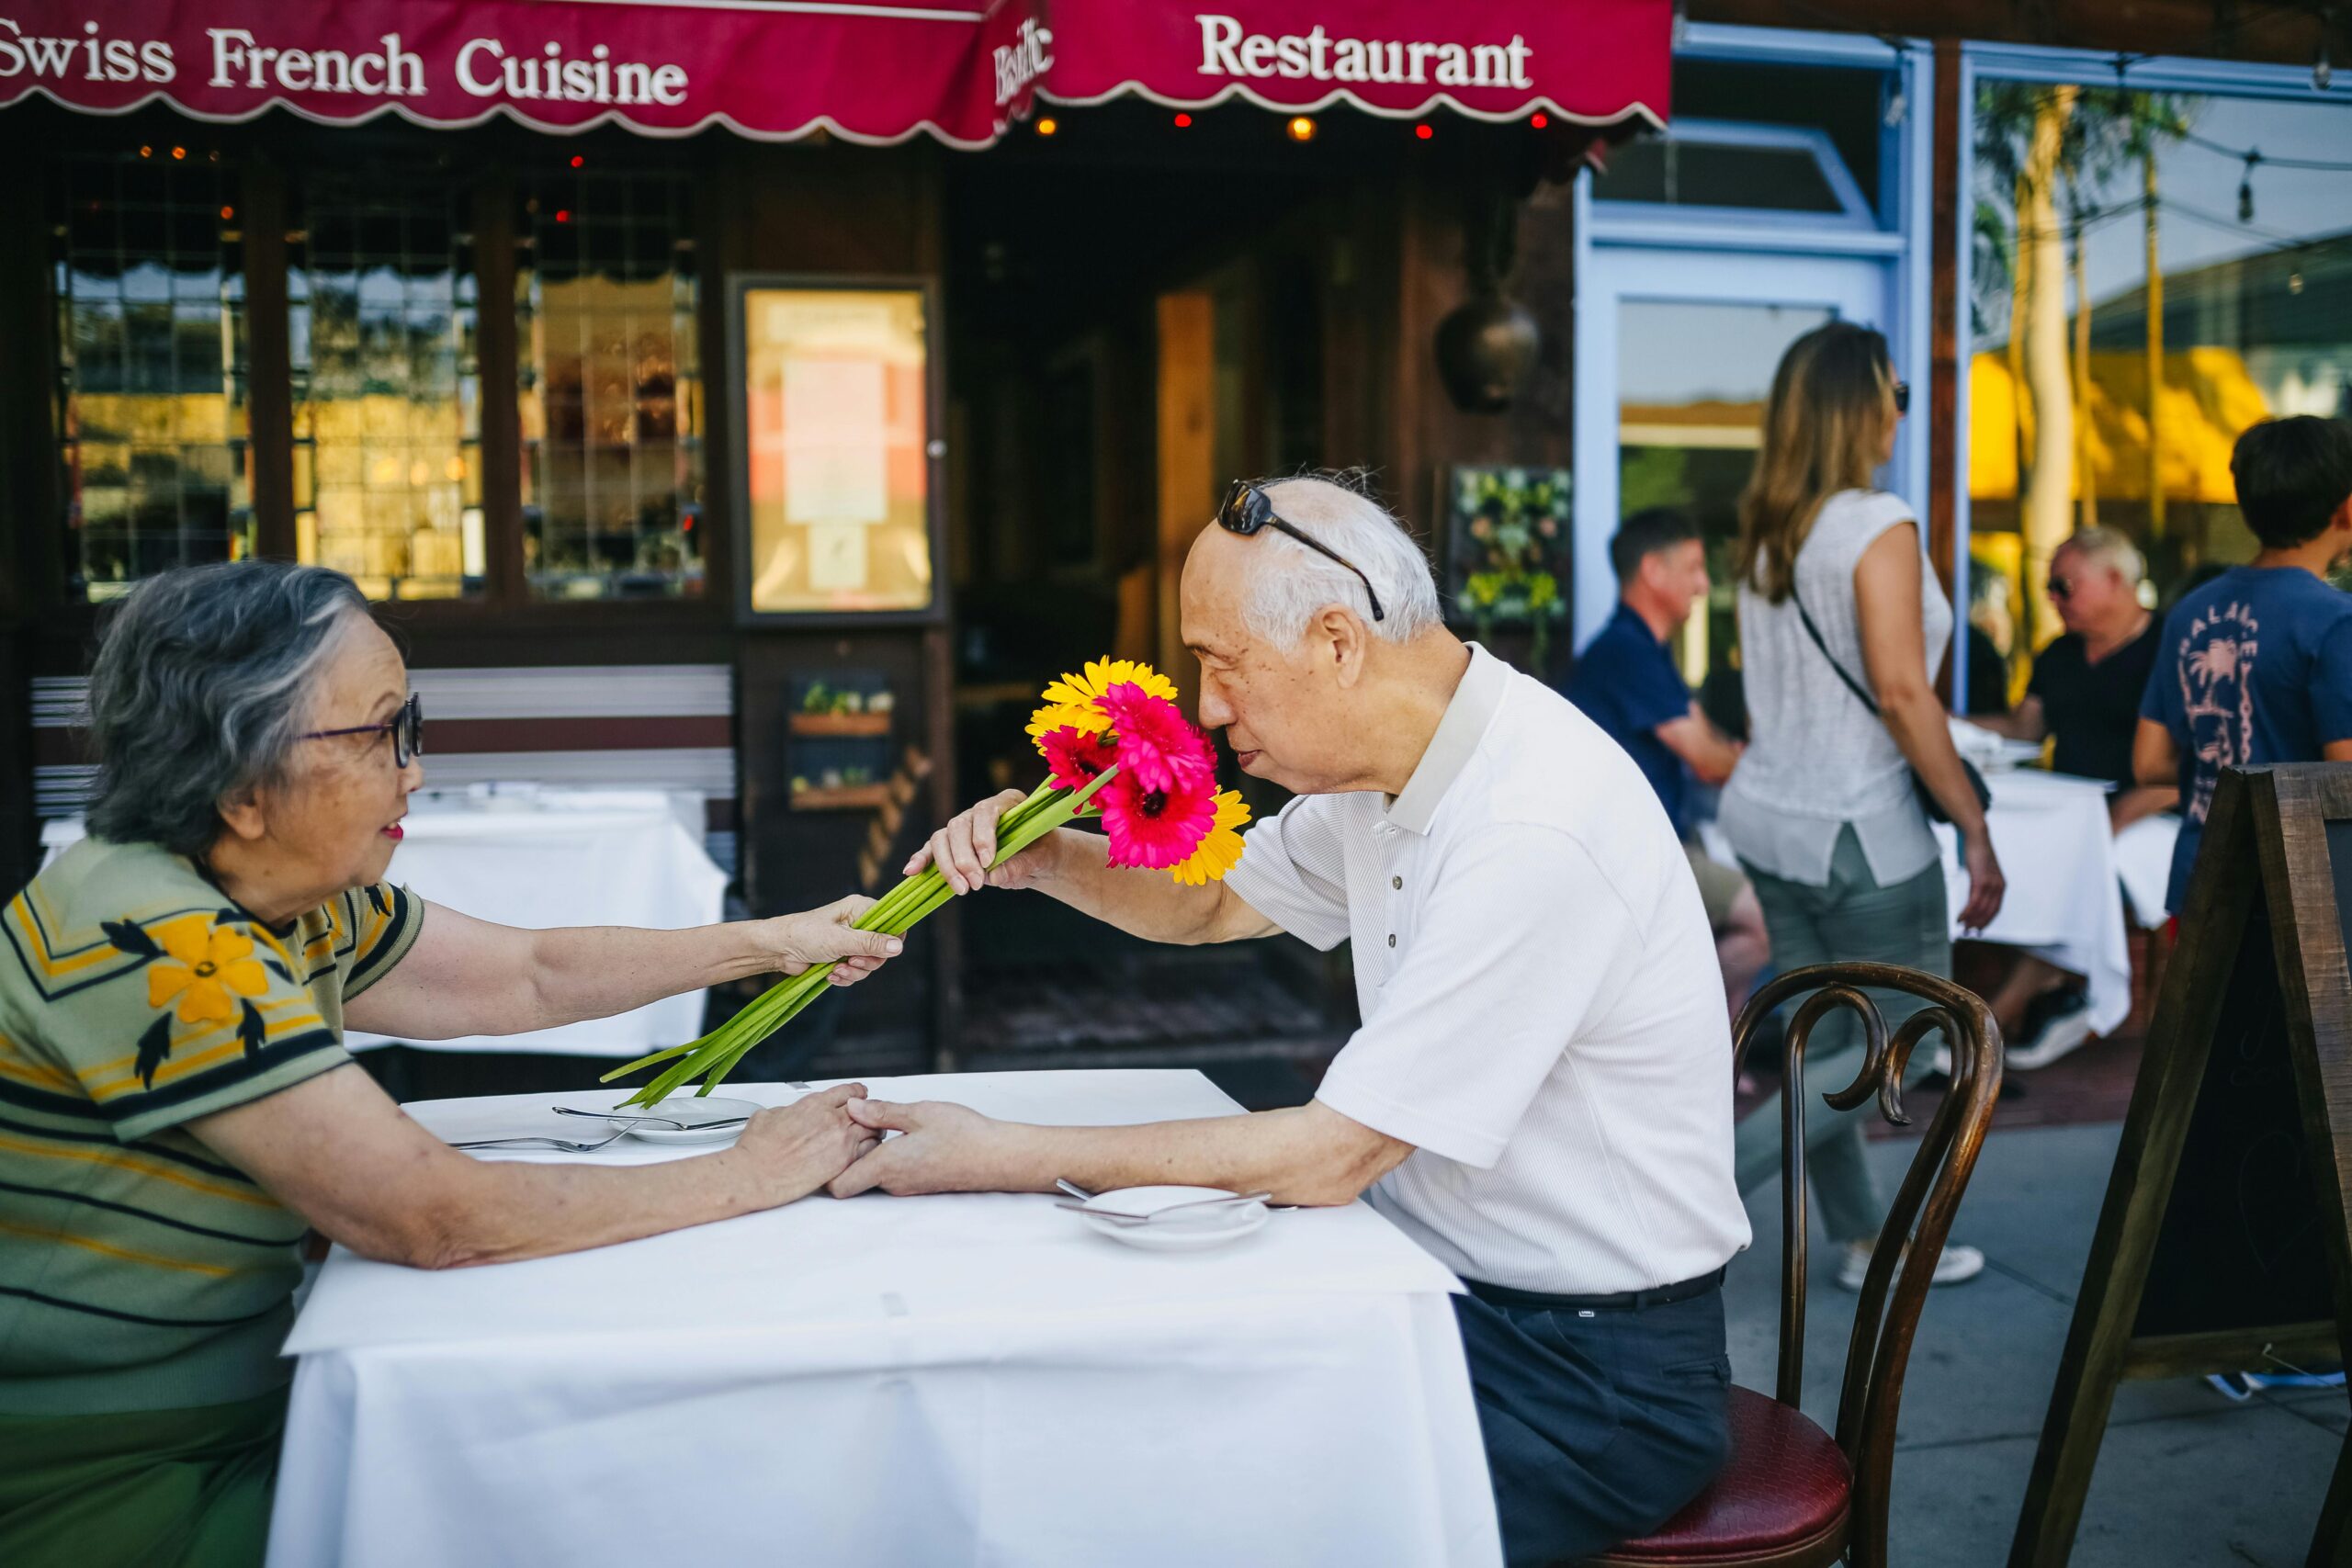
<point x="2085" y="698"/>
<point x="1540" y="1091"/>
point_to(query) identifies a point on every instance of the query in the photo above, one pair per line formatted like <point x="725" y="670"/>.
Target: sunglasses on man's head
<point x="1246" y="512"/>
<point x="406" y="727"/>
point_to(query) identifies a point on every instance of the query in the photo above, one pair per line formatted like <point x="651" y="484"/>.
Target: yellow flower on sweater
<point x="205" y="965"/>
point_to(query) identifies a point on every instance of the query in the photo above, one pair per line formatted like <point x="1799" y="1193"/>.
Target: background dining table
<point x="977" y="1379"/>
<point x="2064" y="901"/>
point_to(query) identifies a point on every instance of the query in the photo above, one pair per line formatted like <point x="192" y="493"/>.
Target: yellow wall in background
<point x="2208" y="401"/>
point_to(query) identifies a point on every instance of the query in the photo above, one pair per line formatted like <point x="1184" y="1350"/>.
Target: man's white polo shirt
<point x="1543" y="1011"/>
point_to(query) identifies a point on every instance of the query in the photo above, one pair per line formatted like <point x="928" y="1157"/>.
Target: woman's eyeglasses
<point x="406" y="727"/>
<point x="1247" y="510"/>
<point x="1903" y="397"/>
<point x="2062" y="589"/>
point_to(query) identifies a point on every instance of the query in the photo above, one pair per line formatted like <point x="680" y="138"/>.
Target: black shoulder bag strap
<point x="1934" y="807"/>
<point x="1814" y="632"/>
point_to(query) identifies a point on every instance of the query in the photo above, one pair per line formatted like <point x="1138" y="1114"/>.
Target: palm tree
<point x="2029" y="138"/>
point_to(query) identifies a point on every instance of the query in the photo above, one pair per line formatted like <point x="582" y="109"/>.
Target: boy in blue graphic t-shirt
<point x="2256" y="665"/>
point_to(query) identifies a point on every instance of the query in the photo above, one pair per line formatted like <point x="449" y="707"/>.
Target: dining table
<point x="2064" y="896"/>
<point x="955" y="1379"/>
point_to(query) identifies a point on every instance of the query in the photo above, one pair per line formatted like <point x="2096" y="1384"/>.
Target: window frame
<point x="1854" y="212"/>
<point x="484" y="165"/>
<point x="2052" y="66"/>
<point x="736" y="448"/>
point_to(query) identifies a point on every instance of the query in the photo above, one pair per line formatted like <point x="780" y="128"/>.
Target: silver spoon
<point x="619" y="1116"/>
<point x="1123" y="1216"/>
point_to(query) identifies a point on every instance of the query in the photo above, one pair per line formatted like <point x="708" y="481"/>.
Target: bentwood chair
<point x="1793" y="1495"/>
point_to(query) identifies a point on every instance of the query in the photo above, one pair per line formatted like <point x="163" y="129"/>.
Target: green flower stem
<point x="714" y="1055"/>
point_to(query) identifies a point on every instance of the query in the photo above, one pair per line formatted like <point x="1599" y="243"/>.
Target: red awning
<point x="864" y="70"/>
<point x="1593" y="62"/>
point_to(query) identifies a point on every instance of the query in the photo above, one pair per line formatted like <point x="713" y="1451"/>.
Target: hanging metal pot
<point x="1487" y="350"/>
<point x="1488" y="345"/>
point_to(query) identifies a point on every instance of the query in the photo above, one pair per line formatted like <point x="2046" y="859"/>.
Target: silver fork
<point x="568" y="1145"/>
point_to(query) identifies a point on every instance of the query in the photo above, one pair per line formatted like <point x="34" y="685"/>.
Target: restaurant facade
<point x="759" y="401"/>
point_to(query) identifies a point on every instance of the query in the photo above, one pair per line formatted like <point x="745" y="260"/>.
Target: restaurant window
<point x="1699" y="171"/>
<point x="1797" y="139"/>
<point x="2144" y="290"/>
<point x="150" y="378"/>
<point x="609" y="388"/>
<point x="381" y="312"/>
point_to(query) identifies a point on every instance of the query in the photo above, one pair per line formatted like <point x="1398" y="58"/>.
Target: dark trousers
<point x="1599" y="1424"/>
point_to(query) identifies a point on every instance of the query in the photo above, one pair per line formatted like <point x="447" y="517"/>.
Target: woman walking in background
<point x="1824" y="811"/>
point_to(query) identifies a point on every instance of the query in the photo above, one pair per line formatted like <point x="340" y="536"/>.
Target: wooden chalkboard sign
<point x="2223" y="1242"/>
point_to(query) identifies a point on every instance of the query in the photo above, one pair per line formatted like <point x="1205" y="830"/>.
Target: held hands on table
<point x="795" y="1149"/>
<point x="832" y="1140"/>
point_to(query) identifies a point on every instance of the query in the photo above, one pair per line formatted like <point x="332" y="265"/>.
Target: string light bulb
<point x="1539" y="120"/>
<point x="1423" y="132"/>
<point x="1047" y="126"/>
<point x="1301" y="127"/>
<point x="1183" y="122"/>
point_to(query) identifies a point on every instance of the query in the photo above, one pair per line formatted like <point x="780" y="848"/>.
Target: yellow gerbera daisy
<point x="1084" y="717"/>
<point x="1221" y="851"/>
<point x="1069" y="702"/>
<point x="1102" y="674"/>
<point x="212" y="963"/>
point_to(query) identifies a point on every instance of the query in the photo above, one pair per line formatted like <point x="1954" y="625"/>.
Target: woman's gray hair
<point x="1289" y="593"/>
<point x="200" y="690"/>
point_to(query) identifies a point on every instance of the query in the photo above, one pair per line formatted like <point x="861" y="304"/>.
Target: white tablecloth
<point x="2143" y="859"/>
<point x="973" y="1378"/>
<point x="558" y="858"/>
<point x="2064" y="903"/>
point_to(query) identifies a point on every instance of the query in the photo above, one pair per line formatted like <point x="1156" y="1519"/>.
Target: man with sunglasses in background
<point x="2084" y="699"/>
<point x="1540" y="1091"/>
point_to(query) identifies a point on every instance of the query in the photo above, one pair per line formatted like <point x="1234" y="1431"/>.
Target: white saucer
<point x="692" y="1109"/>
<point x="1178" y="1233"/>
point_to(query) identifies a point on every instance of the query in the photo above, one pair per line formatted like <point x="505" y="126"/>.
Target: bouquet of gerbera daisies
<point x="1115" y="746"/>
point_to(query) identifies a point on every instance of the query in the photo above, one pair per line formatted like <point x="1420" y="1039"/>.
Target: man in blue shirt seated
<point x="2256" y="666"/>
<point x="1626" y="683"/>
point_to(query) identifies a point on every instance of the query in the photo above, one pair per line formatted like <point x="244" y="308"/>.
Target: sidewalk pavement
<point x="2184" y="1478"/>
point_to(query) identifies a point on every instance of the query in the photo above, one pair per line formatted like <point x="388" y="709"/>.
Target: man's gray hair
<point x="2109" y="546"/>
<point x="202" y="687"/>
<point x="1291" y="591"/>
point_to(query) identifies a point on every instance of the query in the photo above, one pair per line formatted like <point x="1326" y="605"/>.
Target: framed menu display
<point x="834" y="450"/>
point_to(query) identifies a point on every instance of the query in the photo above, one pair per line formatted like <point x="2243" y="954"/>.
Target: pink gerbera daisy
<point x="1074" y="758"/>
<point x="1157" y="749"/>
<point x="1156" y="828"/>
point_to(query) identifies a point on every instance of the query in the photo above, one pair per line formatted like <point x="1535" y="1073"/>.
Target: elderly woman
<point x="173" y="995"/>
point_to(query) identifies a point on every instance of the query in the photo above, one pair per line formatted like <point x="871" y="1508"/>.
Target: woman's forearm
<point x="580" y="972"/>
<point x="506" y="1212"/>
<point x="1922" y="732"/>
<point x="338" y="1152"/>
